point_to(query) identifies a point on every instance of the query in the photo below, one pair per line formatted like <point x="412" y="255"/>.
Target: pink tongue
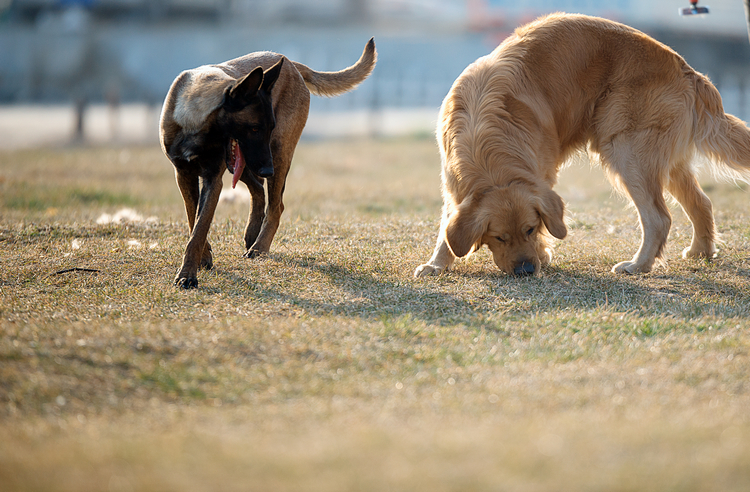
<point x="239" y="165"/>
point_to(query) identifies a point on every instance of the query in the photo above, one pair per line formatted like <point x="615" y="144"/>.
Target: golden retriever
<point x="559" y="85"/>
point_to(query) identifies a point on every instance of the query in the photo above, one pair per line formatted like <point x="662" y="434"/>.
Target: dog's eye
<point x="500" y="239"/>
<point x="530" y="231"/>
<point x="254" y="129"/>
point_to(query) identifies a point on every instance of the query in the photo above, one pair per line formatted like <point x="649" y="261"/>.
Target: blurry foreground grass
<point x="326" y="366"/>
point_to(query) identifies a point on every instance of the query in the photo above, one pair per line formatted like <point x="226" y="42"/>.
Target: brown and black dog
<point x="561" y="85"/>
<point x="246" y="116"/>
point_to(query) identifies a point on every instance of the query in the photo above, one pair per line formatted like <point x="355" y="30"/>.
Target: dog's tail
<point x="331" y="84"/>
<point x="722" y="137"/>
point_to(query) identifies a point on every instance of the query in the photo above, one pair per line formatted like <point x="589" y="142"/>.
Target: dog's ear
<point x="271" y="75"/>
<point x="466" y="227"/>
<point x="551" y="209"/>
<point x="238" y="96"/>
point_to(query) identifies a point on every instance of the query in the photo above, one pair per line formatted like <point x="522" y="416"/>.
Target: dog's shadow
<point x="679" y="294"/>
<point x="361" y="293"/>
<point x="366" y="295"/>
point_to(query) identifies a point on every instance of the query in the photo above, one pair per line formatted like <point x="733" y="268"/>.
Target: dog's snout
<point x="524" y="268"/>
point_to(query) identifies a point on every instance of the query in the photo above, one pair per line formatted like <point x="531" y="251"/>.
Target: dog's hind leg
<point x="685" y="189"/>
<point x="640" y="176"/>
<point x="200" y="208"/>
<point x="257" y="210"/>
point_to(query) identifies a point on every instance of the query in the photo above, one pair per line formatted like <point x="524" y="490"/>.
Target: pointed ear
<point x="271" y="75"/>
<point x="551" y="209"/>
<point x="238" y="96"/>
<point x="465" y="227"/>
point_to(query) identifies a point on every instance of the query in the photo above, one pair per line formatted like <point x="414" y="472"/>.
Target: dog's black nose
<point x="265" y="172"/>
<point x="524" y="268"/>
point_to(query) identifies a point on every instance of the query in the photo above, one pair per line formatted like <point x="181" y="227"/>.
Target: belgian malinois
<point x="246" y="116"/>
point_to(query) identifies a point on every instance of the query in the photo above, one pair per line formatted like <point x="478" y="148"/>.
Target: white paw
<point x="630" y="267"/>
<point x="546" y="258"/>
<point x="623" y="267"/>
<point x="689" y="253"/>
<point x="427" y="269"/>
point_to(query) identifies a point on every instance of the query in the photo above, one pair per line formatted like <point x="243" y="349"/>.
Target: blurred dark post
<point x="80" y="111"/>
<point x="747" y="16"/>
<point x="112" y="96"/>
<point x="76" y="22"/>
<point x="79" y="25"/>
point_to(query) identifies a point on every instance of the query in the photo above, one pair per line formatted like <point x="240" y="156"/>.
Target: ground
<point x="326" y="366"/>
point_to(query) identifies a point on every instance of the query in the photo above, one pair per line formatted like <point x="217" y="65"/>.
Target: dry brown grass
<point x="326" y="366"/>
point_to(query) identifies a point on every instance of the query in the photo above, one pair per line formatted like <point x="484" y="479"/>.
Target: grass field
<point x="326" y="367"/>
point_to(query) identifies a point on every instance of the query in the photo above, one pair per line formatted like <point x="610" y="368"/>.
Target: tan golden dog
<point x="559" y="85"/>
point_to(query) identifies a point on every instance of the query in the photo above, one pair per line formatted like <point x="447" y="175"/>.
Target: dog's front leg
<point x="442" y="257"/>
<point x="442" y="260"/>
<point x="189" y="184"/>
<point x="276" y="185"/>
<point x="197" y="247"/>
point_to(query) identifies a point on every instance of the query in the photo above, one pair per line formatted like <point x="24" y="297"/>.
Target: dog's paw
<point x="630" y="267"/>
<point x="187" y="282"/>
<point x="546" y="257"/>
<point x="427" y="270"/>
<point x="253" y="253"/>
<point x="689" y="253"/>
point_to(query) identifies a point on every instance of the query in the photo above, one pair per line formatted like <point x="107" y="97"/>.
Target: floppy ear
<point x="551" y="209"/>
<point x="238" y="96"/>
<point x="271" y="75"/>
<point x="465" y="227"/>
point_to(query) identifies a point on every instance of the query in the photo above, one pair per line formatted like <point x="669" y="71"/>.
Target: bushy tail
<point x="722" y="137"/>
<point x="331" y="84"/>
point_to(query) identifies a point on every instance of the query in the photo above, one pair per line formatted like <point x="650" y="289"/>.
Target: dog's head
<point x="237" y="127"/>
<point x="513" y="222"/>
<point x="246" y="117"/>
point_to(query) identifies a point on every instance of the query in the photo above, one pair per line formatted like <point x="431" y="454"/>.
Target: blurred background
<point x="96" y="71"/>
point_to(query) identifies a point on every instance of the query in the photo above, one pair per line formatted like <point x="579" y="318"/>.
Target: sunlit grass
<point x="326" y="366"/>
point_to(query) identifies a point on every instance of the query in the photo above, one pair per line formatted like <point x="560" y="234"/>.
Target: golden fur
<point x="562" y="84"/>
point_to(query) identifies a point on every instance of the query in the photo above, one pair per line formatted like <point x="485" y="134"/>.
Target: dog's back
<point x="599" y="79"/>
<point x="576" y="63"/>
<point x="664" y="90"/>
<point x="327" y="84"/>
<point x="197" y="92"/>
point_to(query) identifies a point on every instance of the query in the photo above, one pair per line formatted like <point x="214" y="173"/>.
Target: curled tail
<point x="331" y="84"/>
<point x="722" y="137"/>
